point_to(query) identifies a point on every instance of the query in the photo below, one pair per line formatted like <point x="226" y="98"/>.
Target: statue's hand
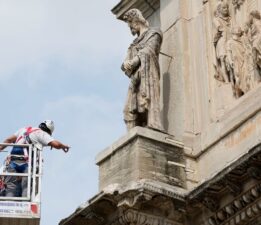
<point x="127" y="65"/>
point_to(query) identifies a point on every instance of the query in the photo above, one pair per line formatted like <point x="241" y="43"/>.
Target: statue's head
<point x="135" y="20"/>
<point x="223" y="9"/>
<point x="236" y="31"/>
<point x="255" y="14"/>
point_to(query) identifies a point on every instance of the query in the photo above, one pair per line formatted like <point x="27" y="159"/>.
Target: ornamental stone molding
<point x="134" y="202"/>
<point x="135" y="217"/>
<point x="230" y="181"/>
<point x="241" y="210"/>
<point x="133" y="199"/>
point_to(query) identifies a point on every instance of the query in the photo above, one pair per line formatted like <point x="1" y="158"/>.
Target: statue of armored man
<point x="142" y="67"/>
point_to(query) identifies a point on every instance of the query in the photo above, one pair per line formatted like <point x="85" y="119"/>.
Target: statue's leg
<point x="130" y="119"/>
<point x="143" y="119"/>
<point x="224" y="71"/>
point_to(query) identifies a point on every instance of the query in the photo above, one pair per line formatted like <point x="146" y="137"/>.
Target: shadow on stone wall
<point x="166" y="98"/>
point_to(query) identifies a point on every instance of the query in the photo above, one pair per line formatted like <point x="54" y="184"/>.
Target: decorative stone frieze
<point x="233" y="185"/>
<point x="230" y="180"/>
<point x="130" y="200"/>
<point x="131" y="204"/>
<point x="241" y="210"/>
<point x="135" y="217"/>
<point x="91" y="215"/>
<point x="255" y="172"/>
<point x="210" y="202"/>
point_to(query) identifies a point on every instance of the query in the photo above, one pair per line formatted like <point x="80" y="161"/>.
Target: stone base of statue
<point x="142" y="154"/>
<point x="141" y="181"/>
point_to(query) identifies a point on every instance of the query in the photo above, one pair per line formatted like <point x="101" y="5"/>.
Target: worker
<point x="18" y="161"/>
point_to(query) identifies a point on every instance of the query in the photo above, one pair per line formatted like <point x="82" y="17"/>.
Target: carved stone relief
<point x="237" y="49"/>
<point x="221" y="35"/>
<point x="237" y="3"/>
<point x="134" y="217"/>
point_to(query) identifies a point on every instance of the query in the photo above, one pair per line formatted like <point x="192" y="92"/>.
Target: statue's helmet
<point x="135" y="15"/>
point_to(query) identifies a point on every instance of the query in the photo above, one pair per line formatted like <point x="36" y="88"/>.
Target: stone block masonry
<point x="142" y="154"/>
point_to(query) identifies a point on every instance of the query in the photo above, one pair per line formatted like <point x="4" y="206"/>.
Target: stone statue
<point x="222" y="27"/>
<point x="237" y="3"/>
<point x="236" y="63"/>
<point x="142" y="67"/>
<point x="253" y="29"/>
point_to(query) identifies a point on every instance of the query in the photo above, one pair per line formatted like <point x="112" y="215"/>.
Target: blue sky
<point x="60" y="60"/>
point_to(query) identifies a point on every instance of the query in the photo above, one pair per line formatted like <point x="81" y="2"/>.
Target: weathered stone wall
<point x="198" y="109"/>
<point x="137" y="157"/>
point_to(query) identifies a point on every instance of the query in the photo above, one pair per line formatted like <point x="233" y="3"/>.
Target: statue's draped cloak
<point x="222" y="25"/>
<point x="144" y="90"/>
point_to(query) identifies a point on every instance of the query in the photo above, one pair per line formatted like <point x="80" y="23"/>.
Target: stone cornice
<point x="133" y="133"/>
<point x="142" y="186"/>
<point x="228" y="123"/>
<point x="242" y="209"/>
<point x="147" y="7"/>
<point x="134" y="194"/>
<point x="243" y="164"/>
<point x="131" y="216"/>
<point x="116" y="196"/>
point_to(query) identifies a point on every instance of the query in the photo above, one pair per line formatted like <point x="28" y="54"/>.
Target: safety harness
<point x="23" y="139"/>
<point x="18" y="157"/>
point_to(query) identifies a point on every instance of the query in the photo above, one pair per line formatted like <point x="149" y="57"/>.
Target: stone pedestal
<point x="142" y="154"/>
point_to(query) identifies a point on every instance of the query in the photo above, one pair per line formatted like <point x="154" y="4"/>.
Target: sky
<point x="60" y="60"/>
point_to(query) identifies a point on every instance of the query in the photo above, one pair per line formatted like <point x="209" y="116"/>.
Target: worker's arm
<point x="8" y="140"/>
<point x="58" y="145"/>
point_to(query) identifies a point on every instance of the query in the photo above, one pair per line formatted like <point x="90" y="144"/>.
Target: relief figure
<point x="253" y="30"/>
<point x="236" y="62"/>
<point x="221" y="34"/>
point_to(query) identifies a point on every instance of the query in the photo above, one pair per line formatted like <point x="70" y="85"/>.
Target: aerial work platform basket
<point x="23" y="210"/>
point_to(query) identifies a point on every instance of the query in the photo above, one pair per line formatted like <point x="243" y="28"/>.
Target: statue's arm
<point x="152" y="46"/>
<point x="129" y="66"/>
<point x="217" y="31"/>
<point x="126" y="65"/>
